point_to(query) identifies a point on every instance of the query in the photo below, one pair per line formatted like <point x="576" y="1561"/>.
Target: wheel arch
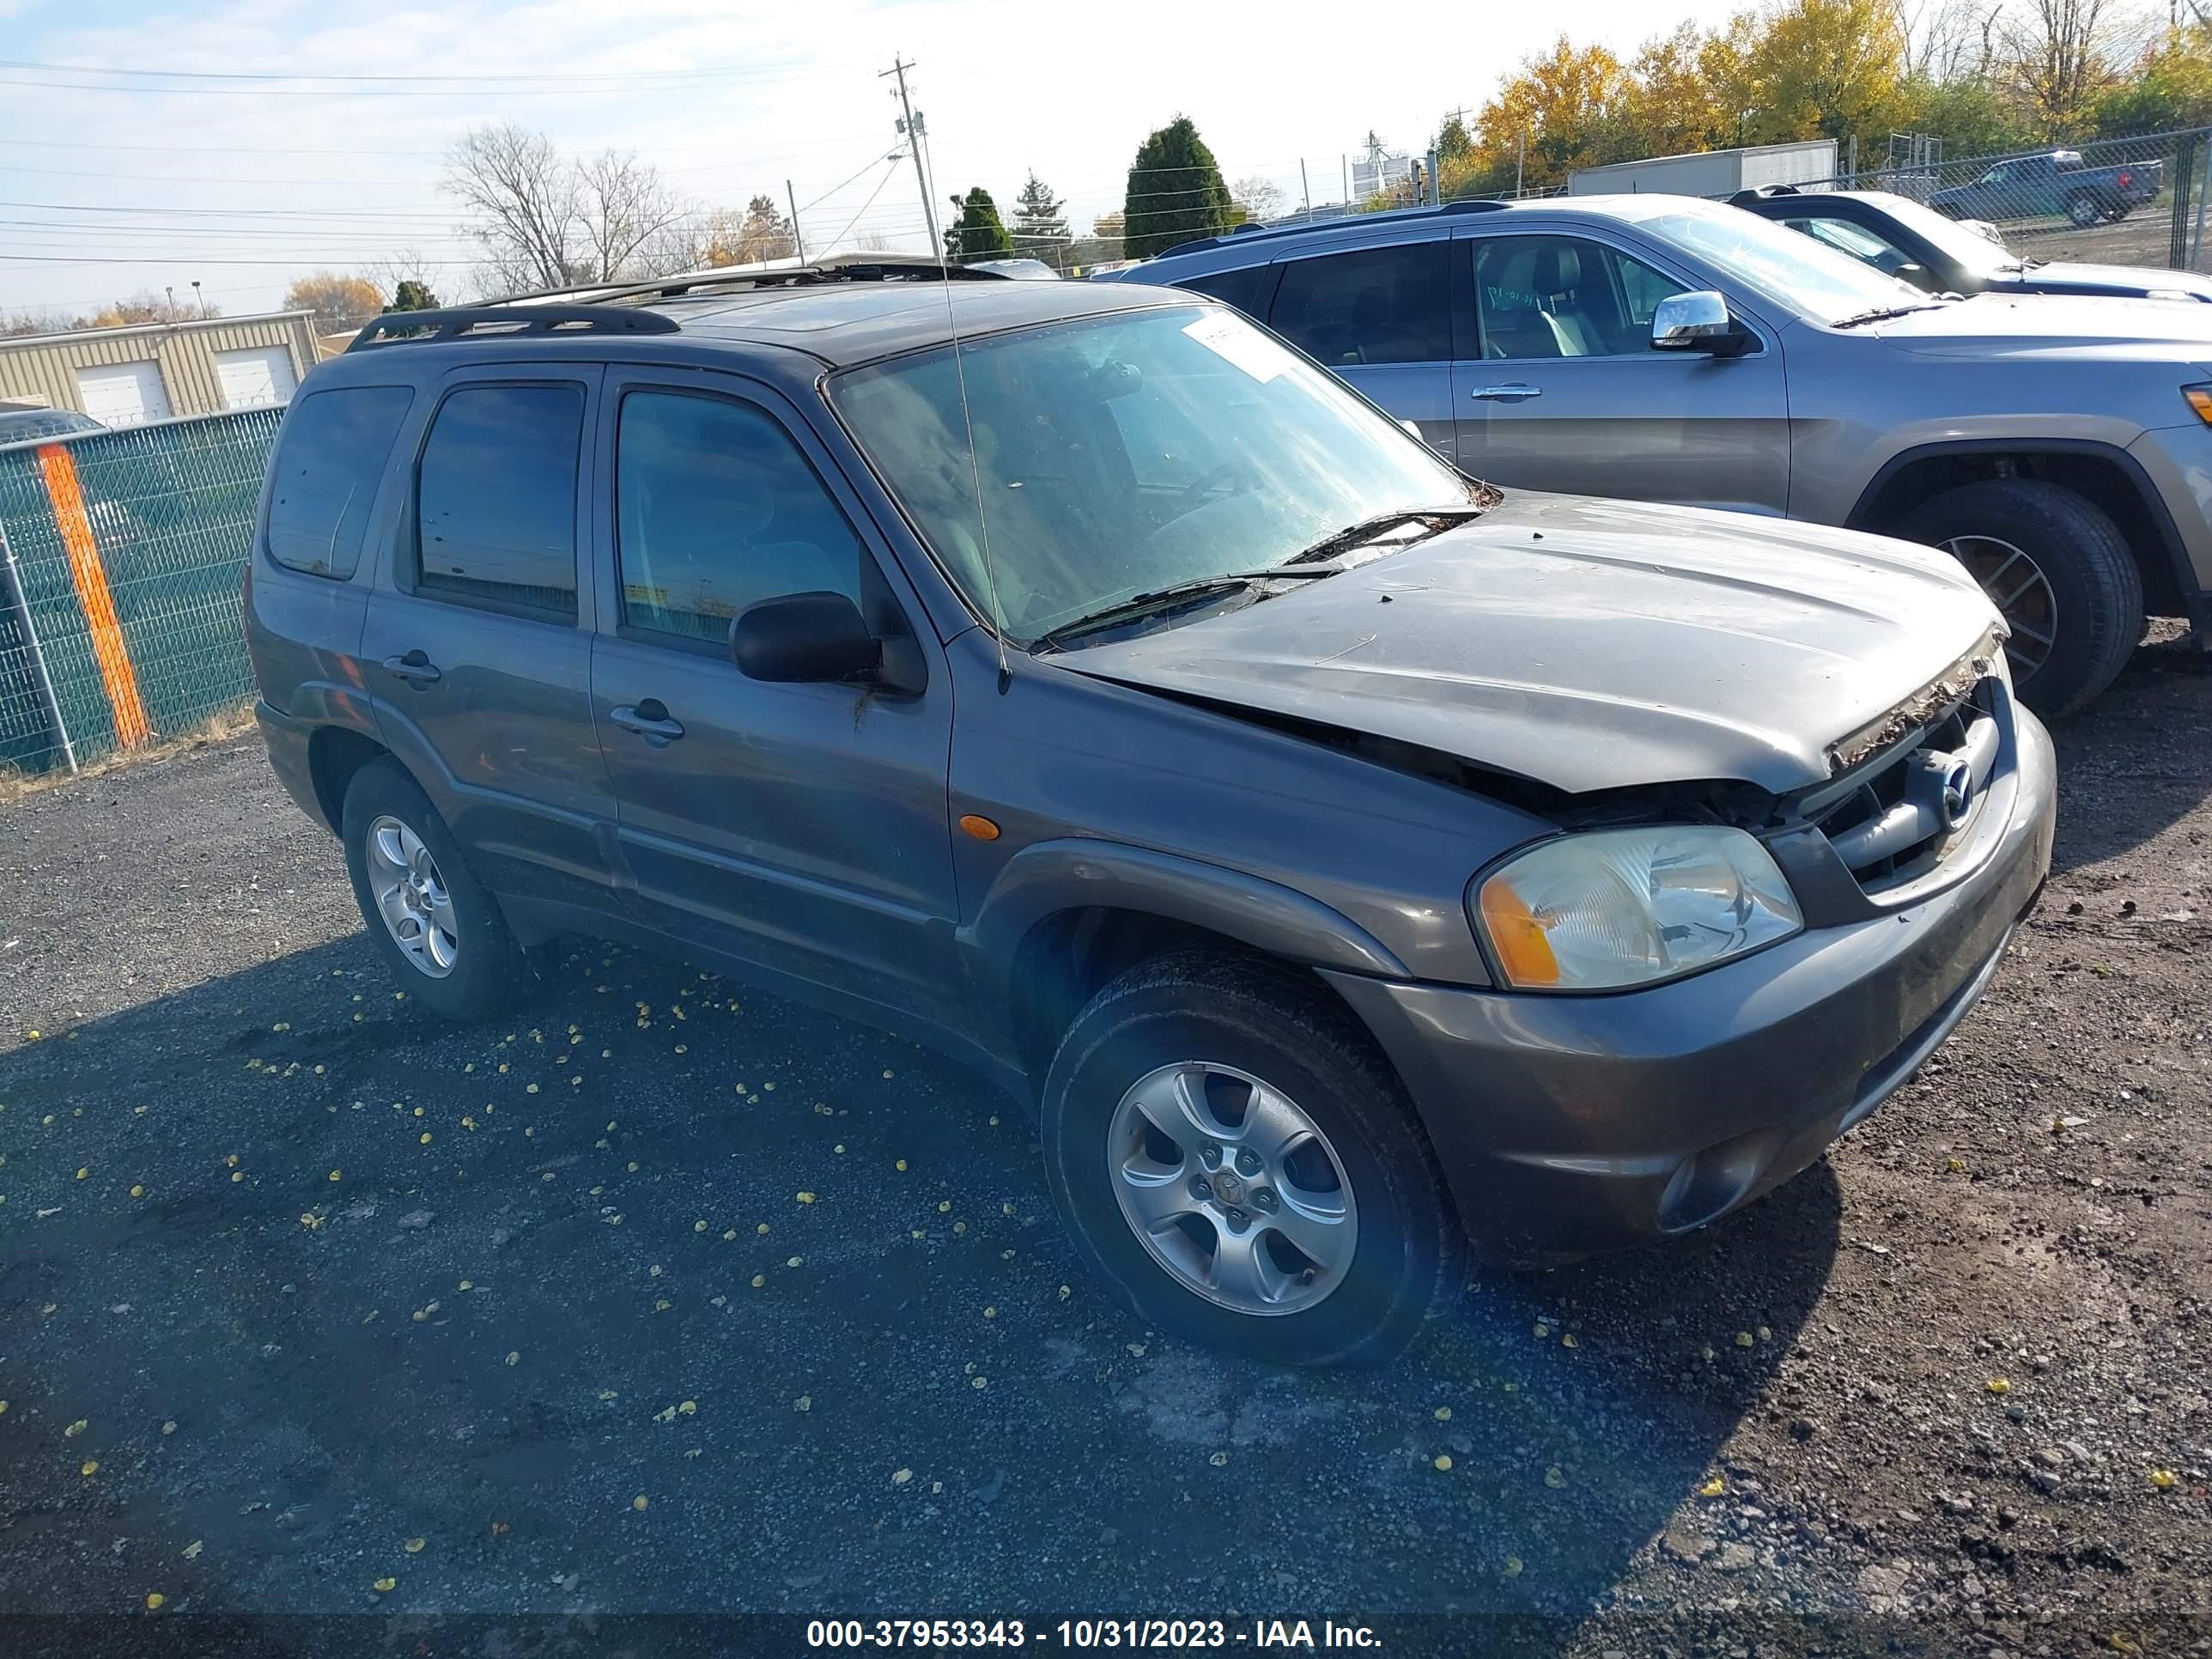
<point x="2107" y="476"/>
<point x="1064" y="917"/>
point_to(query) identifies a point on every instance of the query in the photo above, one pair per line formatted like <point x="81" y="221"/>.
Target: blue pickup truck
<point x="2058" y="181"/>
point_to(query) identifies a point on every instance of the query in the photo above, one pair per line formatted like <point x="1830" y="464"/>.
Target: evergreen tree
<point x="1176" y="192"/>
<point x="977" y="234"/>
<point x="1039" y="226"/>
<point x="412" y="295"/>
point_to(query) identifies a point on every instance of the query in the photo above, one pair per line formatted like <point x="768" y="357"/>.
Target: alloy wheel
<point x="411" y="897"/>
<point x="2021" y="594"/>
<point x="1232" y="1188"/>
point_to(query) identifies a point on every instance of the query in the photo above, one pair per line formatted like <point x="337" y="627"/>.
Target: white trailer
<point x="1719" y="173"/>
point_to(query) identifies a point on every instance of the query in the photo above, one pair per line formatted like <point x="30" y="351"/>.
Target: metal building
<point x="152" y="370"/>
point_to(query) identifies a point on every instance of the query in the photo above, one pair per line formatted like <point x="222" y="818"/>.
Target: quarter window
<point x="335" y="444"/>
<point x="1380" y="305"/>
<point x="1247" y="288"/>
<point x="717" y="509"/>
<point x="495" y="495"/>
<point x="1562" y="296"/>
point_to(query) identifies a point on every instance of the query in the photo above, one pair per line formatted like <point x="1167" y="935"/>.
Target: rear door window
<point x="495" y="496"/>
<point x="1248" y="289"/>
<point x="1380" y="305"/>
<point x="335" y="447"/>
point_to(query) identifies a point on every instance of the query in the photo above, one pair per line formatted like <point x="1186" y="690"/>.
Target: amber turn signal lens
<point x="2200" y="399"/>
<point x="978" y="826"/>
<point x="1523" y="951"/>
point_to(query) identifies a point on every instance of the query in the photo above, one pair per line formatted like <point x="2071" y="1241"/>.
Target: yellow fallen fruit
<point x="1555" y="1477"/>
<point x="155" y="1600"/>
<point x="385" y="1586"/>
<point x="1443" y="1413"/>
<point x="1443" y="1462"/>
<point x="806" y="1198"/>
<point x="1512" y="1566"/>
<point x="415" y="1545"/>
<point x="639" y="1503"/>
<point x="91" y="1467"/>
<point x="2162" y="1479"/>
<point x="900" y="1476"/>
<point x="1744" y="1339"/>
<point x="1713" y="1488"/>
<point x="1998" y="1385"/>
<point x="76" y="1428"/>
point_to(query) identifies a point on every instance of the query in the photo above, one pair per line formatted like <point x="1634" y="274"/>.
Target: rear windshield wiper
<point x="1138" y="606"/>
<point x="1366" y="530"/>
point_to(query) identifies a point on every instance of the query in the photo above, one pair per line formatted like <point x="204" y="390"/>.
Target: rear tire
<point x="2092" y="603"/>
<point x="2084" y="210"/>
<point x="439" y="931"/>
<point x="1246" y="1056"/>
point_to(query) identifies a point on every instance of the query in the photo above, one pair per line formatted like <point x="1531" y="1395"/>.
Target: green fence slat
<point x="171" y="507"/>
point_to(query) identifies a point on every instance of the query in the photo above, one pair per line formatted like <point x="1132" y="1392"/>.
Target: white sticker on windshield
<point x="1231" y="338"/>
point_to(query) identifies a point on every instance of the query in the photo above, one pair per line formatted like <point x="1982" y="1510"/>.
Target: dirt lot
<point x="665" y="1297"/>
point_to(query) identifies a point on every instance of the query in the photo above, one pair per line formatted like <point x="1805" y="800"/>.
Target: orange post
<point x="108" y="648"/>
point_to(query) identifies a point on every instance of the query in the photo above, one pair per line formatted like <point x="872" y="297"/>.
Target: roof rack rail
<point x="832" y="267"/>
<point x="460" y="322"/>
<point x="1248" y="231"/>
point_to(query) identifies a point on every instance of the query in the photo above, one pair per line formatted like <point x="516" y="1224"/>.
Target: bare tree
<point x="405" y="265"/>
<point x="1260" y="198"/>
<point x="1948" y="41"/>
<point x="2061" y="54"/>
<point x="522" y="197"/>
<point x="625" y="215"/>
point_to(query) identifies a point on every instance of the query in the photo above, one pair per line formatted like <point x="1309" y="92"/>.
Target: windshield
<point x="1123" y="454"/>
<point x="1800" y="273"/>
<point x="1973" y="252"/>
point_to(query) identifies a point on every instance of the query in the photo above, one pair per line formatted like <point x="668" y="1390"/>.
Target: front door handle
<point x="415" y="668"/>
<point x="650" y="721"/>
<point x="1515" y="393"/>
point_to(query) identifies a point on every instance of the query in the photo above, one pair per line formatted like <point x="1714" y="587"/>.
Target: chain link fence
<point x="120" y="580"/>
<point x="2116" y="202"/>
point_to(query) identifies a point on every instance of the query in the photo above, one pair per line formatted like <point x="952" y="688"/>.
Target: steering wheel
<point x="1199" y="487"/>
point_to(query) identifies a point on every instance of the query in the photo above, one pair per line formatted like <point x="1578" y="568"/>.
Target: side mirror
<point x="1413" y="426"/>
<point x="803" y="637"/>
<point x="1698" y="321"/>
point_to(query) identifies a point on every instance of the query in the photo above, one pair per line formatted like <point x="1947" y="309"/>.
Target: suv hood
<point x="2066" y="277"/>
<point x="1590" y="644"/>
<point x="2014" y="324"/>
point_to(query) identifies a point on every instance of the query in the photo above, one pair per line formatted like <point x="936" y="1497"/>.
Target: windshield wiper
<point x="1138" y="606"/>
<point x="1882" y="313"/>
<point x="1368" y="529"/>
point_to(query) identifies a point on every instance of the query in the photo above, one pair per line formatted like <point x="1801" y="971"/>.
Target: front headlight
<point x="1607" y="908"/>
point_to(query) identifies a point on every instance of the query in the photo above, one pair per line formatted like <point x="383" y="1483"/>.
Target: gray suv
<point x="1350" y="860"/>
<point x="1669" y="349"/>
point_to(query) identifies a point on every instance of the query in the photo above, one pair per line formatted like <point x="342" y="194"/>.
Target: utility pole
<point x="910" y="128"/>
<point x="798" y="240"/>
<point x="199" y="297"/>
<point x="1305" y="190"/>
<point x="1520" y="161"/>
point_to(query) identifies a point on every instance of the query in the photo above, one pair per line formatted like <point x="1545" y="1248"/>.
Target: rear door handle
<point x="414" y="668"/>
<point x="1506" y="394"/>
<point x="650" y="721"/>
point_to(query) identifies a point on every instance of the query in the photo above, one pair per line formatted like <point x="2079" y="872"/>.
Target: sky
<point x="244" y="162"/>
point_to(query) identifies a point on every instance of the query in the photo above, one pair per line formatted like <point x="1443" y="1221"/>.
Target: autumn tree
<point x="1828" y="69"/>
<point x="146" y="307"/>
<point x="1175" y="193"/>
<point x="2171" y="88"/>
<point x="338" y="302"/>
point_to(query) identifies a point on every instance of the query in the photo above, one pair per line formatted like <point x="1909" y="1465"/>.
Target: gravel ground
<point x="665" y="1296"/>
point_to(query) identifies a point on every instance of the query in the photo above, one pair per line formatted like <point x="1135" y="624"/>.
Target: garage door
<point x="124" y="394"/>
<point x="255" y="376"/>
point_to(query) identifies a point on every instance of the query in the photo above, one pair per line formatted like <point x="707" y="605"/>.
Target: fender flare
<point x="1078" y="873"/>
<point x="2154" y="504"/>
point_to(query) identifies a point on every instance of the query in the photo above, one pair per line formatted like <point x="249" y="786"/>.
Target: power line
<point x="865" y="205"/>
<point x="730" y="71"/>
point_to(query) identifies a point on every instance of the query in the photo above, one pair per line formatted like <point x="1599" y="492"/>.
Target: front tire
<point x="1235" y="1158"/>
<point x="439" y="931"/>
<point x="2058" y="567"/>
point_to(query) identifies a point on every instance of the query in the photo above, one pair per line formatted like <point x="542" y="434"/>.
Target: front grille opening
<point x="1894" y="828"/>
